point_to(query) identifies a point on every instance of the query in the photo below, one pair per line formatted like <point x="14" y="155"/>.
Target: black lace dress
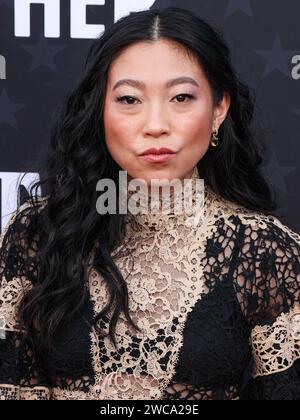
<point x="218" y="304"/>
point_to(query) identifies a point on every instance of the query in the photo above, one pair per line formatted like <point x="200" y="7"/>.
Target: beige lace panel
<point x="187" y="392"/>
<point x="164" y="284"/>
<point x="9" y="392"/>
<point x="276" y="347"/>
<point x="12" y="392"/>
<point x="11" y="292"/>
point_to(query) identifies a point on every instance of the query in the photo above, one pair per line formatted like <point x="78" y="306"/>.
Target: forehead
<point x="159" y="60"/>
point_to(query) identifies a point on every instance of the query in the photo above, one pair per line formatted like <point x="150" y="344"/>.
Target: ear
<point x="221" y="110"/>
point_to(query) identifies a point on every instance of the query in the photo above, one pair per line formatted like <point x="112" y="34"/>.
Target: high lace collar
<point x="187" y="205"/>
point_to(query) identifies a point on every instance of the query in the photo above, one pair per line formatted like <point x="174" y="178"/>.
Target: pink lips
<point x="157" y="155"/>
<point x="157" y="158"/>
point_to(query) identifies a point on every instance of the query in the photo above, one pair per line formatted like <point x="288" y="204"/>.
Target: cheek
<point x="116" y="131"/>
<point x="196" y="135"/>
<point x="196" y="129"/>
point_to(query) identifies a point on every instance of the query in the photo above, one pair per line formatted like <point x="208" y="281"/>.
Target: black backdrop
<point x="42" y="49"/>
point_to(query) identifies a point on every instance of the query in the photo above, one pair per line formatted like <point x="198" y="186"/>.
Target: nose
<point x="156" y="122"/>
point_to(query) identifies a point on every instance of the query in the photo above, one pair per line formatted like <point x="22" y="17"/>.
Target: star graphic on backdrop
<point x="277" y="58"/>
<point x="296" y="111"/>
<point x="277" y="173"/>
<point x="8" y="3"/>
<point x="236" y="5"/>
<point x="42" y="54"/>
<point x="8" y="109"/>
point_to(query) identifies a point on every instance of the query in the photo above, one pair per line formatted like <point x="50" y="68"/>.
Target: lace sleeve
<point x="20" y="377"/>
<point x="268" y="283"/>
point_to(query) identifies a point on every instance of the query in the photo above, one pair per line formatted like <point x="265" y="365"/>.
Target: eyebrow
<point x="141" y="85"/>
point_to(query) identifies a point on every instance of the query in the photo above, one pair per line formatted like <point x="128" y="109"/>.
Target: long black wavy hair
<point x="69" y="227"/>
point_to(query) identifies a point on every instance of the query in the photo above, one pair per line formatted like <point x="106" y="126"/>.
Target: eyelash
<point x="121" y="98"/>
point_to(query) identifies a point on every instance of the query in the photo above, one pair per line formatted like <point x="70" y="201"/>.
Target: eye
<point x="185" y="95"/>
<point x="126" y="98"/>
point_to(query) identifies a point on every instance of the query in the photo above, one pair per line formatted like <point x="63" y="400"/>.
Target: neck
<point x="181" y="204"/>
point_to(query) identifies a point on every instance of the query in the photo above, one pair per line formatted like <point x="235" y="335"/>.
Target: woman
<point x="149" y="306"/>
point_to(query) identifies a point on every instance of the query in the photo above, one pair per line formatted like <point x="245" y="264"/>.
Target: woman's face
<point x="153" y="114"/>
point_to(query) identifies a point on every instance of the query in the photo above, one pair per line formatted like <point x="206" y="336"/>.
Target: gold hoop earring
<point x="215" y="139"/>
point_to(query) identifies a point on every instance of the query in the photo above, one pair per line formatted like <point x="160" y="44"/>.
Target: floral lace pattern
<point x="163" y="288"/>
<point x="208" y="297"/>
<point x="277" y="346"/>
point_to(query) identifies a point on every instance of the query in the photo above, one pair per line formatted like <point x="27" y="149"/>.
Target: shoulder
<point x="257" y="225"/>
<point x="267" y="250"/>
<point x="270" y="231"/>
<point x="27" y="207"/>
<point x="21" y="228"/>
<point x="267" y="266"/>
<point x="22" y="215"/>
<point x="17" y="268"/>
